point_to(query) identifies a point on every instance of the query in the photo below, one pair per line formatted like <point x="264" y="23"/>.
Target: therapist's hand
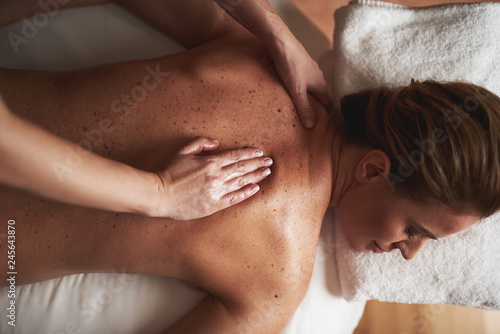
<point x="300" y="75"/>
<point x="195" y="186"/>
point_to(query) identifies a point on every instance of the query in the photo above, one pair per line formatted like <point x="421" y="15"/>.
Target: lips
<point x="376" y="248"/>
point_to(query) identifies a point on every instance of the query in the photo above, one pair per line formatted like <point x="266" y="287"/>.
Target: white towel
<point x="379" y="43"/>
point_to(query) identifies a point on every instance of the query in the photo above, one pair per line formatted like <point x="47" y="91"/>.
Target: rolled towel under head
<point x="377" y="43"/>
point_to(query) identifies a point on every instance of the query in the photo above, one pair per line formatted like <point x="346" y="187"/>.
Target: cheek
<point x="365" y="219"/>
<point x="384" y="223"/>
<point x="390" y="227"/>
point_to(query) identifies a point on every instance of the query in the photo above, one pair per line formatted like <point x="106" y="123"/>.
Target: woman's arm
<point x="191" y="187"/>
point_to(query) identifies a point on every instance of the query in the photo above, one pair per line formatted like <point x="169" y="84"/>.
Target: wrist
<point x="281" y="44"/>
<point x="276" y="35"/>
<point x="159" y="201"/>
<point x="147" y="196"/>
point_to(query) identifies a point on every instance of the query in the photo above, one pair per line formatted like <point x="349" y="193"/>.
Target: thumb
<point x="199" y="145"/>
<point x="304" y="110"/>
<point x="323" y="97"/>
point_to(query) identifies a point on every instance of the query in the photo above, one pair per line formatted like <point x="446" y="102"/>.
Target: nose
<point x="410" y="248"/>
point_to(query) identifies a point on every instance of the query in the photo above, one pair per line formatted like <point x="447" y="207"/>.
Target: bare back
<point x="141" y="113"/>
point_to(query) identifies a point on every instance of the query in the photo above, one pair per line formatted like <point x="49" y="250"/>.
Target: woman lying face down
<point x="435" y="148"/>
<point x="255" y="259"/>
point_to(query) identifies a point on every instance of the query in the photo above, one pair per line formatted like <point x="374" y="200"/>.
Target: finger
<point x="304" y="109"/>
<point x="321" y="94"/>
<point x="244" y="167"/>
<point x="232" y="156"/>
<point x="199" y="145"/>
<point x="237" y="196"/>
<point x="244" y="180"/>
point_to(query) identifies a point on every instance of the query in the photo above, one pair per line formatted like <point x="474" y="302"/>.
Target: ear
<point x="373" y="164"/>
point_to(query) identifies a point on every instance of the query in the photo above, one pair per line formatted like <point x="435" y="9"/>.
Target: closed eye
<point x="420" y="230"/>
<point x="409" y="233"/>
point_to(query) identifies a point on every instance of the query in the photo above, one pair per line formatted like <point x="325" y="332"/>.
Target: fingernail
<point x="259" y="153"/>
<point x="268" y="162"/>
<point x="266" y="172"/>
<point x="255" y="188"/>
<point x="214" y="140"/>
<point x="309" y="123"/>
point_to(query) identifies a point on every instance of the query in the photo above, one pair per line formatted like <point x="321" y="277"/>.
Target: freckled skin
<point x="267" y="239"/>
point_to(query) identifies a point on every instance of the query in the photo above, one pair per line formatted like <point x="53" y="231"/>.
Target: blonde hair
<point x="443" y="140"/>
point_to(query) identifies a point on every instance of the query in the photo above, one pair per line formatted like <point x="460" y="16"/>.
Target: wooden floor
<point x="393" y="318"/>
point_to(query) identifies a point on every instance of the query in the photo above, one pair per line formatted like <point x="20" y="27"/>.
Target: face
<point x="377" y="219"/>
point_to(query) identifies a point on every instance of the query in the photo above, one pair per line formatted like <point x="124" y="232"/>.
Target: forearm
<point x="42" y="163"/>
<point x="260" y="19"/>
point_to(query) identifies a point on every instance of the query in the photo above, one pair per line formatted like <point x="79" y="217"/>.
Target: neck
<point x="344" y="160"/>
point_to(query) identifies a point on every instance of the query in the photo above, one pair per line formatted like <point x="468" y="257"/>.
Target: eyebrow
<point x="423" y="230"/>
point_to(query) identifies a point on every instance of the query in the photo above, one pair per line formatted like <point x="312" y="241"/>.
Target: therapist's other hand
<point x="195" y="186"/>
<point x="300" y="75"/>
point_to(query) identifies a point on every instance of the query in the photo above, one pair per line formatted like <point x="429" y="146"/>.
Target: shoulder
<point x="262" y="248"/>
<point x="260" y="258"/>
